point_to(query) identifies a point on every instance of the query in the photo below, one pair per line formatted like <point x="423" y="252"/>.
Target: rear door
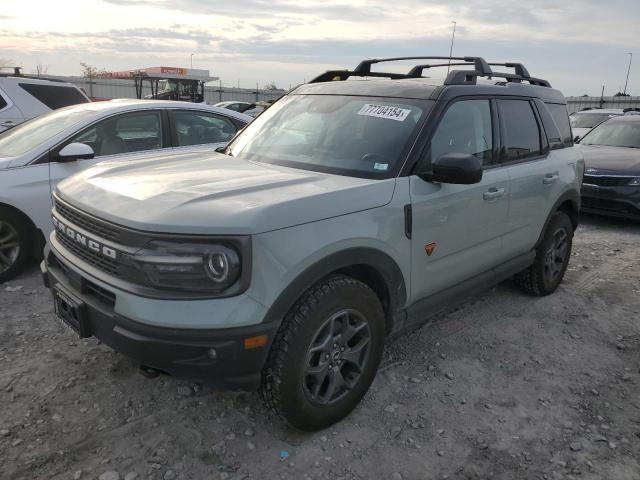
<point x="462" y="225"/>
<point x="190" y="128"/>
<point x="534" y="170"/>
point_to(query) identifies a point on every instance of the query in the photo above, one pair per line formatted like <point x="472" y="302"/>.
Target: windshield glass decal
<point x="384" y="111"/>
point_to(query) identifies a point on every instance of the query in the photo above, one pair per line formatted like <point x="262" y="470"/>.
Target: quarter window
<point x="561" y="117"/>
<point x="198" y="128"/>
<point x="130" y="132"/>
<point x="522" y="133"/>
<point x="54" y="97"/>
<point x="465" y="128"/>
<point x="3" y="102"/>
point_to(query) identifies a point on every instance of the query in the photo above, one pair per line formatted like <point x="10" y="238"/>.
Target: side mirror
<point x="75" y="151"/>
<point x="458" y="168"/>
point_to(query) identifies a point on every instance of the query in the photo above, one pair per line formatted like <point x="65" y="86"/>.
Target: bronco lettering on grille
<point x="83" y="240"/>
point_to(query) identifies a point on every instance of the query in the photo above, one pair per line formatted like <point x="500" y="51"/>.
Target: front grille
<point x="93" y="258"/>
<point x="605" y="181"/>
<point x="88" y="223"/>
<point x="101" y="294"/>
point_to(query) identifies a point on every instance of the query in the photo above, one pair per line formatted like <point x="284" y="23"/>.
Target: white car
<point x="584" y="120"/>
<point x="23" y="98"/>
<point x="36" y="155"/>
<point x="247" y="108"/>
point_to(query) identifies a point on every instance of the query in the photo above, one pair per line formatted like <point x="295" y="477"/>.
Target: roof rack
<point x="17" y="72"/>
<point x="481" y="68"/>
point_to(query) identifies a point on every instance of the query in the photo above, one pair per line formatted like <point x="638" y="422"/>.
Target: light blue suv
<point x="348" y="211"/>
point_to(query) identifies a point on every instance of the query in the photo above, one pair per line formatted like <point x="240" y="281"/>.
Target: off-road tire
<point x="283" y="388"/>
<point x="11" y="221"/>
<point x="533" y="280"/>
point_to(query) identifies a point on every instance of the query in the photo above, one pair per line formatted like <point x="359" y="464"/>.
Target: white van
<point x="23" y="98"/>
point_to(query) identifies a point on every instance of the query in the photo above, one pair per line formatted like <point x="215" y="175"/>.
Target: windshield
<point x="615" y="134"/>
<point x="589" y="120"/>
<point x="346" y="135"/>
<point x="28" y="135"/>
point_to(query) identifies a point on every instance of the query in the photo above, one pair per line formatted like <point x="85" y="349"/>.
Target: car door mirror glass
<point x="455" y="167"/>
<point x="75" y="151"/>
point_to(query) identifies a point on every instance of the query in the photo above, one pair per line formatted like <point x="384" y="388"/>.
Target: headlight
<point x="189" y="267"/>
<point x="635" y="182"/>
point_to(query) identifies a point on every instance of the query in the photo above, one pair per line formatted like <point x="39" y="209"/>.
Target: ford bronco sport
<point x="349" y="211"/>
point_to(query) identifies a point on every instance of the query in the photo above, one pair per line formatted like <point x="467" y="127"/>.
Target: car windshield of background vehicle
<point x="27" y="136"/>
<point x="345" y="135"/>
<point x="617" y="134"/>
<point x="589" y="120"/>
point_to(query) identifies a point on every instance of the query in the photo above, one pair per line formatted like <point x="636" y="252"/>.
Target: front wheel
<point x="15" y="244"/>
<point x="552" y="258"/>
<point x="325" y="354"/>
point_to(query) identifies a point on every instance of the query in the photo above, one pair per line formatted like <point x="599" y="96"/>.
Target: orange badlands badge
<point x="430" y="248"/>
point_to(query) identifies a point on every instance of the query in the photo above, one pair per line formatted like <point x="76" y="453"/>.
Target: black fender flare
<point x="572" y="196"/>
<point x="384" y="265"/>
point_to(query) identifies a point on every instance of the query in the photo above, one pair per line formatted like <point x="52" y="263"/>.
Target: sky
<point x="578" y="45"/>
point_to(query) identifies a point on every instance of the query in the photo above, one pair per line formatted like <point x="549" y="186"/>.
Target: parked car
<point x="585" y="120"/>
<point x="23" y="97"/>
<point x="611" y="183"/>
<point x="347" y="212"/>
<point x="36" y="155"/>
<point x="252" y="109"/>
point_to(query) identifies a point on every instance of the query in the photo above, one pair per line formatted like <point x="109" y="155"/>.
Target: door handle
<point x="493" y="193"/>
<point x="550" y="178"/>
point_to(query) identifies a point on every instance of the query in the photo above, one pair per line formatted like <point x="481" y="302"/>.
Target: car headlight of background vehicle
<point x="635" y="182"/>
<point x="203" y="267"/>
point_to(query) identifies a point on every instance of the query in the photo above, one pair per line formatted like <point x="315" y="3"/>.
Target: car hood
<point x="615" y="160"/>
<point x="5" y="162"/>
<point x="216" y="194"/>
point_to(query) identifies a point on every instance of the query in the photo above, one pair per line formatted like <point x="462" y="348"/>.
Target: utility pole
<point x="220" y="90"/>
<point x="257" y="92"/>
<point x="602" y="97"/>
<point x="628" y="70"/>
<point x="453" y="36"/>
<point x="192" y="60"/>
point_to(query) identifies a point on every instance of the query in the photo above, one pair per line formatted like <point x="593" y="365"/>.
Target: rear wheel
<point x="15" y="244"/>
<point x="552" y="258"/>
<point x="326" y="354"/>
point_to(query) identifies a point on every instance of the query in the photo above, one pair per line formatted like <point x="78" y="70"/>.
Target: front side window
<point x="465" y="128"/>
<point x="347" y="135"/>
<point x="3" y="102"/>
<point x="614" y="133"/>
<point x="521" y="129"/>
<point x="129" y="132"/>
<point x="198" y="128"/>
<point x="54" y="97"/>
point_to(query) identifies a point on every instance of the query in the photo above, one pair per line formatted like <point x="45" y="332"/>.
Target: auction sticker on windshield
<point x="384" y="111"/>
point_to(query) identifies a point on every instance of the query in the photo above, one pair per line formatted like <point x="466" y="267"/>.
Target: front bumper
<point x="620" y="201"/>
<point x="177" y="351"/>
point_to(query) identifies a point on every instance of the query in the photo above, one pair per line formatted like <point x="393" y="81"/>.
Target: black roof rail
<point x="456" y="77"/>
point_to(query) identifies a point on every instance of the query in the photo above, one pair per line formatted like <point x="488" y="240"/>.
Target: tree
<point x="90" y="71"/>
<point x="270" y="86"/>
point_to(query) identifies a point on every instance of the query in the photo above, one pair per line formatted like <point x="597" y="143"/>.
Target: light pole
<point x="628" y="70"/>
<point x="453" y="36"/>
<point x="192" y="60"/>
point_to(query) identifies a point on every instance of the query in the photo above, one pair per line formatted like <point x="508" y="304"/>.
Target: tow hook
<point x="150" y="372"/>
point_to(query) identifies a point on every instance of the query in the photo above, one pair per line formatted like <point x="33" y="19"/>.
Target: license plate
<point x="72" y="312"/>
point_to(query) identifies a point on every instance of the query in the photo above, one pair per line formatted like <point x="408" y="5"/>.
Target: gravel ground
<point x="506" y="386"/>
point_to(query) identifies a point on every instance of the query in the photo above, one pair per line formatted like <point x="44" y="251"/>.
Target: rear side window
<point x="199" y="128"/>
<point x="54" y="97"/>
<point x="561" y="117"/>
<point x="3" y="102"/>
<point x="522" y="133"/>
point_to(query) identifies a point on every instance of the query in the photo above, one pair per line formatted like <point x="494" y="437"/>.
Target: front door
<point x="122" y="136"/>
<point x="458" y="229"/>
